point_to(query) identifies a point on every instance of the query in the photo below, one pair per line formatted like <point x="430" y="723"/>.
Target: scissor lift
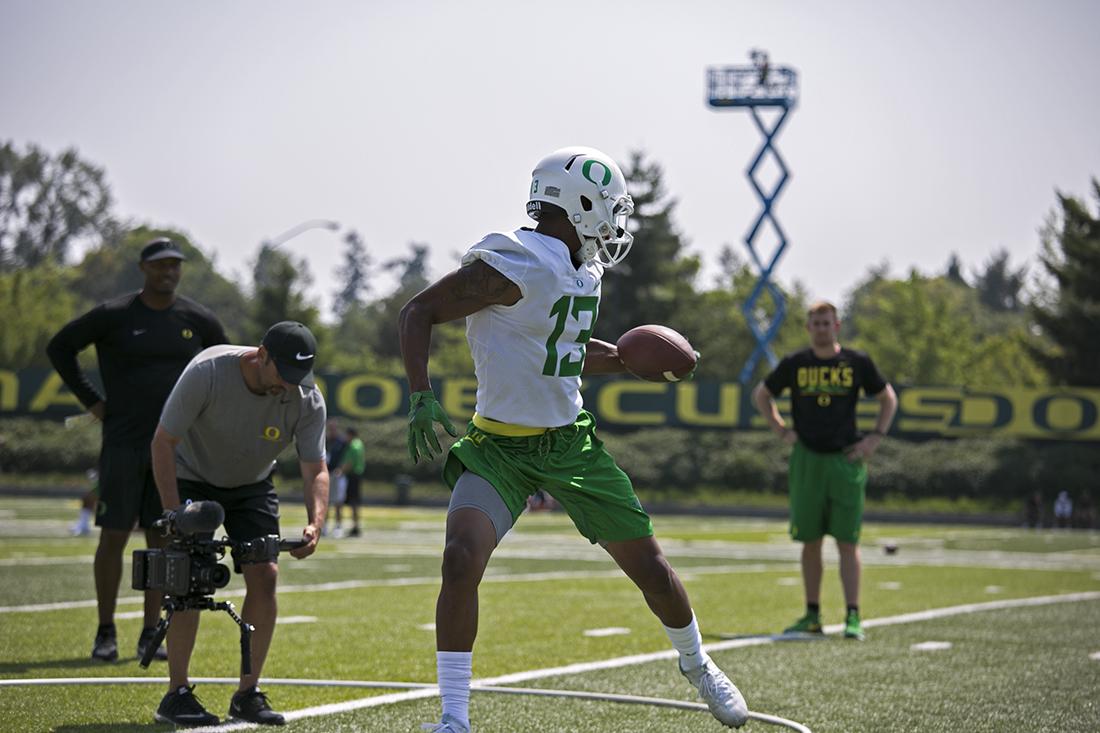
<point x="760" y="87"/>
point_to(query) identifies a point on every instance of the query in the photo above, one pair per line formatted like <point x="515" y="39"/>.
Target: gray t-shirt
<point x="231" y="436"/>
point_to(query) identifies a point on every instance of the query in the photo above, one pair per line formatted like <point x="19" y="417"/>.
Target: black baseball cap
<point x="161" y="249"/>
<point x="293" y="348"/>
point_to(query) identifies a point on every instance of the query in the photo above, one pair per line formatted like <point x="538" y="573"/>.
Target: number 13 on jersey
<point x="569" y="307"/>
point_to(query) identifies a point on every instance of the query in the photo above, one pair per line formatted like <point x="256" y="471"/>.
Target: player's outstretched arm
<point x="600" y="357"/>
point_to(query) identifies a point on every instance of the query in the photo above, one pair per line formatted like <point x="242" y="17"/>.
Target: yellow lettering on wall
<point x="609" y="403"/>
<point x="459" y="397"/>
<point x="53" y="392"/>
<point x="9" y="390"/>
<point x="927" y="409"/>
<point x="1064" y="413"/>
<point x="687" y="406"/>
<point x="977" y="412"/>
<point x="347" y="396"/>
<point x="1055" y="413"/>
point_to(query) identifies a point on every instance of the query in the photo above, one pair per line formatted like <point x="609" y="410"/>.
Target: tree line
<point x="987" y="324"/>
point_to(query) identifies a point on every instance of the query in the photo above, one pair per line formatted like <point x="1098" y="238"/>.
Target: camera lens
<point x="216" y="576"/>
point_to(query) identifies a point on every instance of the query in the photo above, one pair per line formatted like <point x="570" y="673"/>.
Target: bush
<point x="671" y="460"/>
<point x="31" y="445"/>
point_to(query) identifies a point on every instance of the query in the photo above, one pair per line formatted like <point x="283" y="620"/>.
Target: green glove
<point x="424" y="412"/>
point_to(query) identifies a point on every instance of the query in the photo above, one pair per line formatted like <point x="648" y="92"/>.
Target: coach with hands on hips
<point x="232" y="412"/>
<point x="828" y="469"/>
<point x="143" y="342"/>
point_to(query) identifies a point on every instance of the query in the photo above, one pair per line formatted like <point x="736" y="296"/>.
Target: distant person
<point x="143" y="342"/>
<point x="338" y="485"/>
<point x="828" y="463"/>
<point x="353" y="463"/>
<point x="1063" y="510"/>
<point x="233" y="411"/>
<point x="530" y="299"/>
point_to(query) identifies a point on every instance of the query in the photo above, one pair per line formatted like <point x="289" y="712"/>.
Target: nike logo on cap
<point x="302" y="357"/>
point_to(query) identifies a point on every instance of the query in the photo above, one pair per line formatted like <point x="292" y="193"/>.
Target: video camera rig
<point x="187" y="571"/>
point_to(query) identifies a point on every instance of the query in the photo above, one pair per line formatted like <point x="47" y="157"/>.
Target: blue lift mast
<point x="758" y="87"/>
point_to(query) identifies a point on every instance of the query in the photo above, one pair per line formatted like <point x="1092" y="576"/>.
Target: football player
<point x="530" y="298"/>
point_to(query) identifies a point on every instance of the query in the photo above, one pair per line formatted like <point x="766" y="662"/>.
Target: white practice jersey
<point x="528" y="356"/>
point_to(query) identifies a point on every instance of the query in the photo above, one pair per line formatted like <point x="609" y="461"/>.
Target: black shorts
<point x="251" y="510"/>
<point x="127" y="493"/>
<point x="352" y="497"/>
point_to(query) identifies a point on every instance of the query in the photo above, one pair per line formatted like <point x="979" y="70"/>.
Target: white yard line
<point x="613" y="573"/>
<point x="422" y="691"/>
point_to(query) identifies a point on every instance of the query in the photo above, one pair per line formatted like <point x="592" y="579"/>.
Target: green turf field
<point x="361" y="610"/>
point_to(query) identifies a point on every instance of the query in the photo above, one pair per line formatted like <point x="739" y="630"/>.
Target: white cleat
<point x="449" y="724"/>
<point x="721" y="696"/>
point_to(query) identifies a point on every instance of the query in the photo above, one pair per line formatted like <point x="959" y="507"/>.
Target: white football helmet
<point x="591" y="189"/>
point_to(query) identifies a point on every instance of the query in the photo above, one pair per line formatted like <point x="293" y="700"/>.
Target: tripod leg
<point x="246" y="649"/>
<point x="246" y="636"/>
<point x="158" y="637"/>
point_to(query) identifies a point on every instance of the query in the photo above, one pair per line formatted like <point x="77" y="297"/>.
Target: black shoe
<point x="161" y="654"/>
<point x="252" y="705"/>
<point x="181" y="707"/>
<point x="354" y="532"/>
<point x="105" y="648"/>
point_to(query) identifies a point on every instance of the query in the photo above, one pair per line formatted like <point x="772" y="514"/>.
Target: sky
<point x="922" y="128"/>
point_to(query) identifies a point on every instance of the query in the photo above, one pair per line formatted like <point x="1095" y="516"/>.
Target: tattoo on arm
<point x="479" y="281"/>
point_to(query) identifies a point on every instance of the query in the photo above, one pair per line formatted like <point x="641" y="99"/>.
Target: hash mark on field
<point x="296" y="620"/>
<point x="931" y="646"/>
<point x="609" y="631"/>
<point x="994" y="589"/>
<point x="1095" y="656"/>
<point x="889" y="585"/>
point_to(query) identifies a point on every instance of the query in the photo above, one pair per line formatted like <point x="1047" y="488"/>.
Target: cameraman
<point x="233" y="411"/>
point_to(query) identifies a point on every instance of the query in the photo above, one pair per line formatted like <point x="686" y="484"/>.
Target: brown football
<point x="656" y="353"/>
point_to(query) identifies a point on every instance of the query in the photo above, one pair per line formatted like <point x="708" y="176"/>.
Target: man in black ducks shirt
<point x="143" y="341"/>
<point x="828" y="470"/>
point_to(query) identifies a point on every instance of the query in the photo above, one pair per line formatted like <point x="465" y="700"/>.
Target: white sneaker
<point x="449" y="724"/>
<point x="721" y="696"/>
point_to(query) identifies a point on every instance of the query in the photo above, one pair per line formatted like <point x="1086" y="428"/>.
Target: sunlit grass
<point x="548" y="585"/>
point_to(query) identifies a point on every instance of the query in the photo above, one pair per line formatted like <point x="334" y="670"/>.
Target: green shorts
<point x="568" y="463"/>
<point x="826" y="492"/>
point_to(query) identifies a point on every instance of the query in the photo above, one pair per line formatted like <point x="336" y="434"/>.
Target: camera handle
<point x="203" y="603"/>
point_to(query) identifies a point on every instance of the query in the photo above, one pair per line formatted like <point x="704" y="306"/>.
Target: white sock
<point x="453" y="672"/>
<point x="85" y="518"/>
<point x="689" y="643"/>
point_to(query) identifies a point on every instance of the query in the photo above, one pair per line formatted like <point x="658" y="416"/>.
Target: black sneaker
<point x="354" y="532"/>
<point x="105" y="648"/>
<point x="252" y="705"/>
<point x="161" y="654"/>
<point x="181" y="707"/>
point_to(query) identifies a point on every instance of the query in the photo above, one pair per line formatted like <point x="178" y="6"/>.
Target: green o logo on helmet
<point x="586" y="171"/>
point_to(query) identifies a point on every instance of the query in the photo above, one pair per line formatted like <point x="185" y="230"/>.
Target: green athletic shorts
<point x="569" y="463"/>
<point x="826" y="492"/>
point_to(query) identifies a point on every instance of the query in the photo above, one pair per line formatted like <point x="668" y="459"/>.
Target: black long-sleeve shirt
<point x="141" y="353"/>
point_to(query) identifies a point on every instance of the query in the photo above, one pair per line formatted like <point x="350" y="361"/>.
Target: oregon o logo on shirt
<point x="187" y="333"/>
<point x="824" y="400"/>
<point x="271" y="433"/>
